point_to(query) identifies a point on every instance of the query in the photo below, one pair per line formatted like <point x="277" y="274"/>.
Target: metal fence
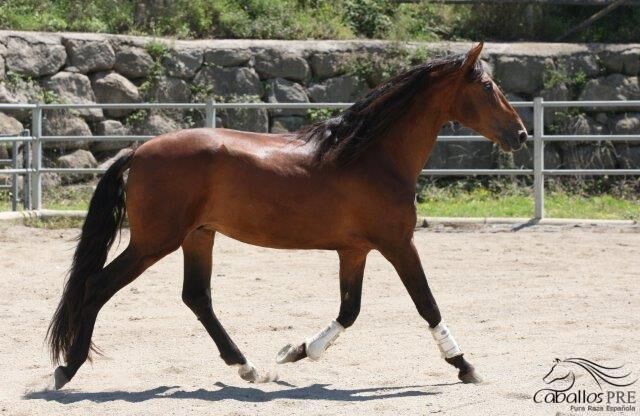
<point x="14" y="164"/>
<point x="33" y="144"/>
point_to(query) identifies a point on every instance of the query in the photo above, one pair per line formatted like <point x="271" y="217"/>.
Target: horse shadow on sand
<point x="242" y="394"/>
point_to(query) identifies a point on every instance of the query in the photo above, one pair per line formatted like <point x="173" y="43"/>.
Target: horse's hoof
<point x="470" y="377"/>
<point x="59" y="378"/>
<point x="291" y="354"/>
<point x="249" y="373"/>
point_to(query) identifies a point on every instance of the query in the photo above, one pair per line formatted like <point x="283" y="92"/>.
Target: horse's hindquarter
<point x="257" y="188"/>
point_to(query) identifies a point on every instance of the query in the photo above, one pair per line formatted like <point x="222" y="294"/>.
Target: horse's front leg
<point x="405" y="260"/>
<point x="352" y="264"/>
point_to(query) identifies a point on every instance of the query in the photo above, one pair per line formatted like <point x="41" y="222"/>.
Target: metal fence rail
<point x="15" y="170"/>
<point x="33" y="168"/>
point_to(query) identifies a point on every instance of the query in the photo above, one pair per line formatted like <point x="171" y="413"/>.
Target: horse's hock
<point x="84" y="68"/>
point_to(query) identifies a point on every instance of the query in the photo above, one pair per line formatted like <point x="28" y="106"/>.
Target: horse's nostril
<point x="522" y="136"/>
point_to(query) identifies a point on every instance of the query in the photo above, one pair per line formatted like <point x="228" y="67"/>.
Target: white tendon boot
<point x="446" y="343"/>
<point x="452" y="354"/>
<point x="317" y="344"/>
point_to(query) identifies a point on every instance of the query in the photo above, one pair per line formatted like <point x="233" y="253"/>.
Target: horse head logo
<point x="562" y="375"/>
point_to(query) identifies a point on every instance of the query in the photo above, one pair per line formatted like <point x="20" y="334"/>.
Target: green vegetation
<point x="55" y="223"/>
<point x="73" y="197"/>
<point x="574" y="80"/>
<point x="158" y="51"/>
<point x="482" y="203"/>
<point x="371" y="18"/>
<point x="376" y="68"/>
<point x="580" y="198"/>
<point x="315" y="115"/>
<point x="5" y="202"/>
<point x="29" y="87"/>
<point x="318" y="19"/>
<point x="136" y="117"/>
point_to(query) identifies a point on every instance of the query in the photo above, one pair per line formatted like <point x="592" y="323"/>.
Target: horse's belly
<point x="289" y="230"/>
<point x="283" y="217"/>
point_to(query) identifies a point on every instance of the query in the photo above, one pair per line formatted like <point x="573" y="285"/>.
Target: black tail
<point x="103" y="221"/>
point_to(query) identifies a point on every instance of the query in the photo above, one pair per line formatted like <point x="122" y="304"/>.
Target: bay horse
<point x="346" y="184"/>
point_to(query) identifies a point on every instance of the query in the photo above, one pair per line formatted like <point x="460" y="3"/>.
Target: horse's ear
<point x="557" y="360"/>
<point x="472" y="56"/>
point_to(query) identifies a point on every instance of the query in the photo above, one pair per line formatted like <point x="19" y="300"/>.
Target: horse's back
<point x="263" y="189"/>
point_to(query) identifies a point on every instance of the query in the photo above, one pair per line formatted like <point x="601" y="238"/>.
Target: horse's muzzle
<point x="515" y="141"/>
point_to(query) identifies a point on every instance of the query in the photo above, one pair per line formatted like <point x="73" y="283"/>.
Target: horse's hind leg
<point x="196" y="294"/>
<point x="406" y="261"/>
<point x="99" y="288"/>
<point x="352" y="264"/>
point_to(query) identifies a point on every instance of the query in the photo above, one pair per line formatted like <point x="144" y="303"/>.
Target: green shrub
<point x="369" y="18"/>
<point x="555" y="76"/>
<point x="158" y="51"/>
<point x="320" y="114"/>
<point x="318" y="19"/>
<point x="375" y="68"/>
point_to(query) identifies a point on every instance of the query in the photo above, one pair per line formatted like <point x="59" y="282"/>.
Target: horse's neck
<point x="410" y="141"/>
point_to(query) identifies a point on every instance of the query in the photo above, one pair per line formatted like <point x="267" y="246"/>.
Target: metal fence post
<point x="26" y="164"/>
<point x="538" y="157"/>
<point x="210" y="113"/>
<point x="36" y="148"/>
<point x="14" y="178"/>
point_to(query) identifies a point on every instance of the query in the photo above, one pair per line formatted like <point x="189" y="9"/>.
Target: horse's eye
<point x="488" y="86"/>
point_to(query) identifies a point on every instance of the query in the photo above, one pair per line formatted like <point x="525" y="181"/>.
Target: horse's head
<point x="558" y="372"/>
<point x="480" y="105"/>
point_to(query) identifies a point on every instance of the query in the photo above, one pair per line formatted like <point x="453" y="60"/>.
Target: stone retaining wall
<point x="82" y="68"/>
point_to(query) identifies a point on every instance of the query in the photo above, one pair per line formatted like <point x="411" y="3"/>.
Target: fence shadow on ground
<point x="242" y="394"/>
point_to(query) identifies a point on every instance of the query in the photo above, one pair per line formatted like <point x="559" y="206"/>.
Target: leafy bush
<point x="369" y="18"/>
<point x="320" y="114"/>
<point x="508" y="22"/>
<point x="374" y="69"/>
<point x="158" y="51"/>
<point x="318" y="19"/>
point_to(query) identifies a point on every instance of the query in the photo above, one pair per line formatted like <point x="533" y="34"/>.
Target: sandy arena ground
<point x="514" y="300"/>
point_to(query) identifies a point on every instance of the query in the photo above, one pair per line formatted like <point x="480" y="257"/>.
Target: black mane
<point x="343" y="138"/>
